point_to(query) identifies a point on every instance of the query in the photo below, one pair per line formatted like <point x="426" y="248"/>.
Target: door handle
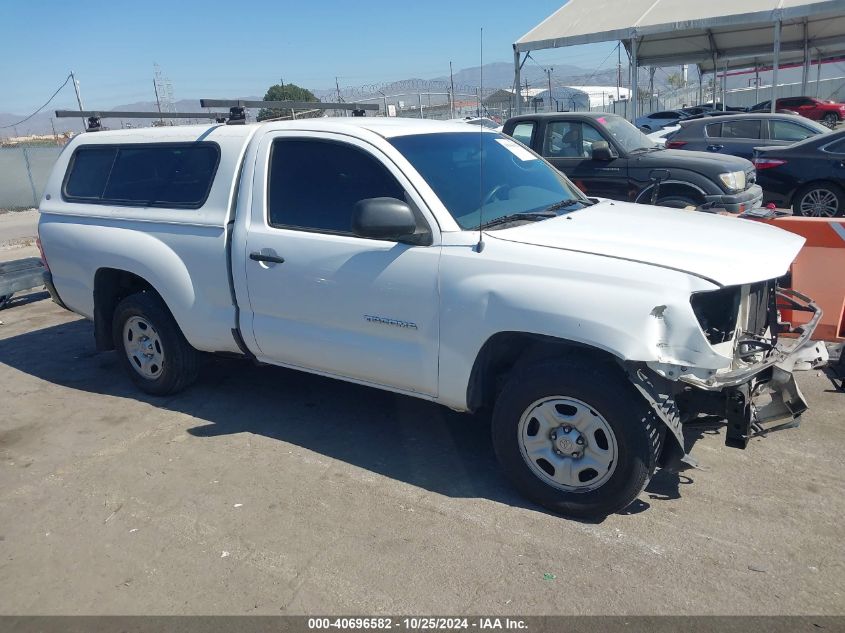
<point x="715" y="148"/>
<point x="261" y="257"/>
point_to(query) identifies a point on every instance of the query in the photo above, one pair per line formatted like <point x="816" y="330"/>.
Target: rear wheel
<point x="5" y="300"/>
<point x="819" y="200"/>
<point x="152" y="348"/>
<point x="830" y="120"/>
<point x="576" y="439"/>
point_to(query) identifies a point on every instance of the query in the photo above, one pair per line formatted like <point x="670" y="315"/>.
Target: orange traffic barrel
<point x="819" y="271"/>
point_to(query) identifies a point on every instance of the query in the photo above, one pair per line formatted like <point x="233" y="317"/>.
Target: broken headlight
<point x="717" y="312"/>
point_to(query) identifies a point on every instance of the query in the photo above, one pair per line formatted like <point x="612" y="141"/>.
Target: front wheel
<point x="578" y="440"/>
<point x="676" y="202"/>
<point x="830" y="120"/>
<point x="151" y="347"/>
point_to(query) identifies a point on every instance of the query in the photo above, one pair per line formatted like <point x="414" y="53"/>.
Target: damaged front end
<point x="756" y="388"/>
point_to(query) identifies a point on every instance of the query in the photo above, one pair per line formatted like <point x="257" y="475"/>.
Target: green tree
<point x="287" y="92"/>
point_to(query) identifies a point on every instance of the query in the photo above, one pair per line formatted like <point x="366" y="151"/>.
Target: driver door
<point x="322" y="298"/>
<point x="568" y="145"/>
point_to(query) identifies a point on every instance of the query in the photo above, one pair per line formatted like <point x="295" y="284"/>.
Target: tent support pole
<point x="725" y="88"/>
<point x="634" y="97"/>
<point x="776" y="66"/>
<point x="756" y="82"/>
<point x="805" y="75"/>
<point x="517" y="81"/>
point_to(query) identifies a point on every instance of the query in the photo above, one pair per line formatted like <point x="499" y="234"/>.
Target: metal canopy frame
<point x="717" y="35"/>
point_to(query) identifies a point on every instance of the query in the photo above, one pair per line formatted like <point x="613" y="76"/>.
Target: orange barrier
<point x="819" y="271"/>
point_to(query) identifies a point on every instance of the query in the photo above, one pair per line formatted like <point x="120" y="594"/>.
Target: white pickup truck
<point x="438" y="260"/>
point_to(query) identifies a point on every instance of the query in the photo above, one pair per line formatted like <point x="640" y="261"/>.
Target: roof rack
<point x="358" y="109"/>
<point x="234" y="116"/>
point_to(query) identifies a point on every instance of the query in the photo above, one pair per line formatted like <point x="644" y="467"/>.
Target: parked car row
<point x="829" y="113"/>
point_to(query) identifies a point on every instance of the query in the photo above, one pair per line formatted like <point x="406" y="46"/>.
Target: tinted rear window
<point x="162" y="175"/>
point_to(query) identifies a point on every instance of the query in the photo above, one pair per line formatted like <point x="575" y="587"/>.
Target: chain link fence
<point x="23" y="175"/>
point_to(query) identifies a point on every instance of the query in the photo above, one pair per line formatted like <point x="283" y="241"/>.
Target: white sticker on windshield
<point x="516" y="149"/>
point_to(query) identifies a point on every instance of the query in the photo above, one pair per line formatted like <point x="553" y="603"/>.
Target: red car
<point x="828" y="112"/>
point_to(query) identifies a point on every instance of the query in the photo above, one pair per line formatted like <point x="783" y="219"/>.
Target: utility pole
<point x="651" y="87"/>
<point x="55" y="136"/>
<point x="618" y="71"/>
<point x="78" y="98"/>
<point x="339" y="98"/>
<point x="549" y="75"/>
<point x="452" y="93"/>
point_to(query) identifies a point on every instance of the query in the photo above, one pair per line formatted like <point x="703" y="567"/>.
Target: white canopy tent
<point x="714" y="34"/>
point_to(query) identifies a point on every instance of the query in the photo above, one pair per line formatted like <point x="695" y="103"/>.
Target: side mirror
<point x="602" y="151"/>
<point x="383" y="219"/>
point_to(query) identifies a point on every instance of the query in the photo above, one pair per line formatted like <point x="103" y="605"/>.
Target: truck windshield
<point x="629" y="138"/>
<point x="483" y="177"/>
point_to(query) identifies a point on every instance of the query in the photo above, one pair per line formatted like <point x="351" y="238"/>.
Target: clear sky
<point x="229" y="49"/>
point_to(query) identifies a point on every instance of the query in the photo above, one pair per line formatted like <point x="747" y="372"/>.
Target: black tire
<point x="831" y="120"/>
<point x="811" y="188"/>
<point x="604" y="389"/>
<point x="5" y="300"/>
<point x="677" y="202"/>
<point x="180" y="365"/>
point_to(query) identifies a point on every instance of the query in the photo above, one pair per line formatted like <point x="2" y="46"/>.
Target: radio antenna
<point x="480" y="246"/>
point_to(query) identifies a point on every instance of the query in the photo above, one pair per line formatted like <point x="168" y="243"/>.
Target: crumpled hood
<point x="726" y="250"/>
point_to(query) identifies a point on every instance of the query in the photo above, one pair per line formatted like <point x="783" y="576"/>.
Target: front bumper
<point x="740" y="202"/>
<point x="749" y="397"/>
<point x="766" y="391"/>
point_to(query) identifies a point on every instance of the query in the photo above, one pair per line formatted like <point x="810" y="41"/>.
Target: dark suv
<point x="739" y="134"/>
<point x="608" y="157"/>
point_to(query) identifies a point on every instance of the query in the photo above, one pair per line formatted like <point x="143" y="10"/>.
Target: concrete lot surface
<point x="17" y="227"/>
<point x="262" y="490"/>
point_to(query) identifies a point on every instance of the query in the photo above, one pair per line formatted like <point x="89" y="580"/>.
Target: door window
<point x="570" y="139"/>
<point x="741" y="129"/>
<point x="315" y="184"/>
<point x="788" y="131"/>
<point x="523" y="132"/>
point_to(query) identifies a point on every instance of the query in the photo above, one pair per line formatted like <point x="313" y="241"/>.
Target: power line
<point x="2" y="127"/>
<point x="586" y="81"/>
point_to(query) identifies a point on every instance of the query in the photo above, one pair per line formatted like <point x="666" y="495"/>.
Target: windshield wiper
<point x="515" y="217"/>
<point x="563" y="204"/>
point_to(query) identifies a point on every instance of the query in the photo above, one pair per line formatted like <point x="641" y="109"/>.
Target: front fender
<point x="630" y="310"/>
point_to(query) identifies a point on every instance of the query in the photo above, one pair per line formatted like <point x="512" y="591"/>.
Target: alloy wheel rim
<point x="819" y="203"/>
<point x="567" y="444"/>
<point x="143" y="347"/>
